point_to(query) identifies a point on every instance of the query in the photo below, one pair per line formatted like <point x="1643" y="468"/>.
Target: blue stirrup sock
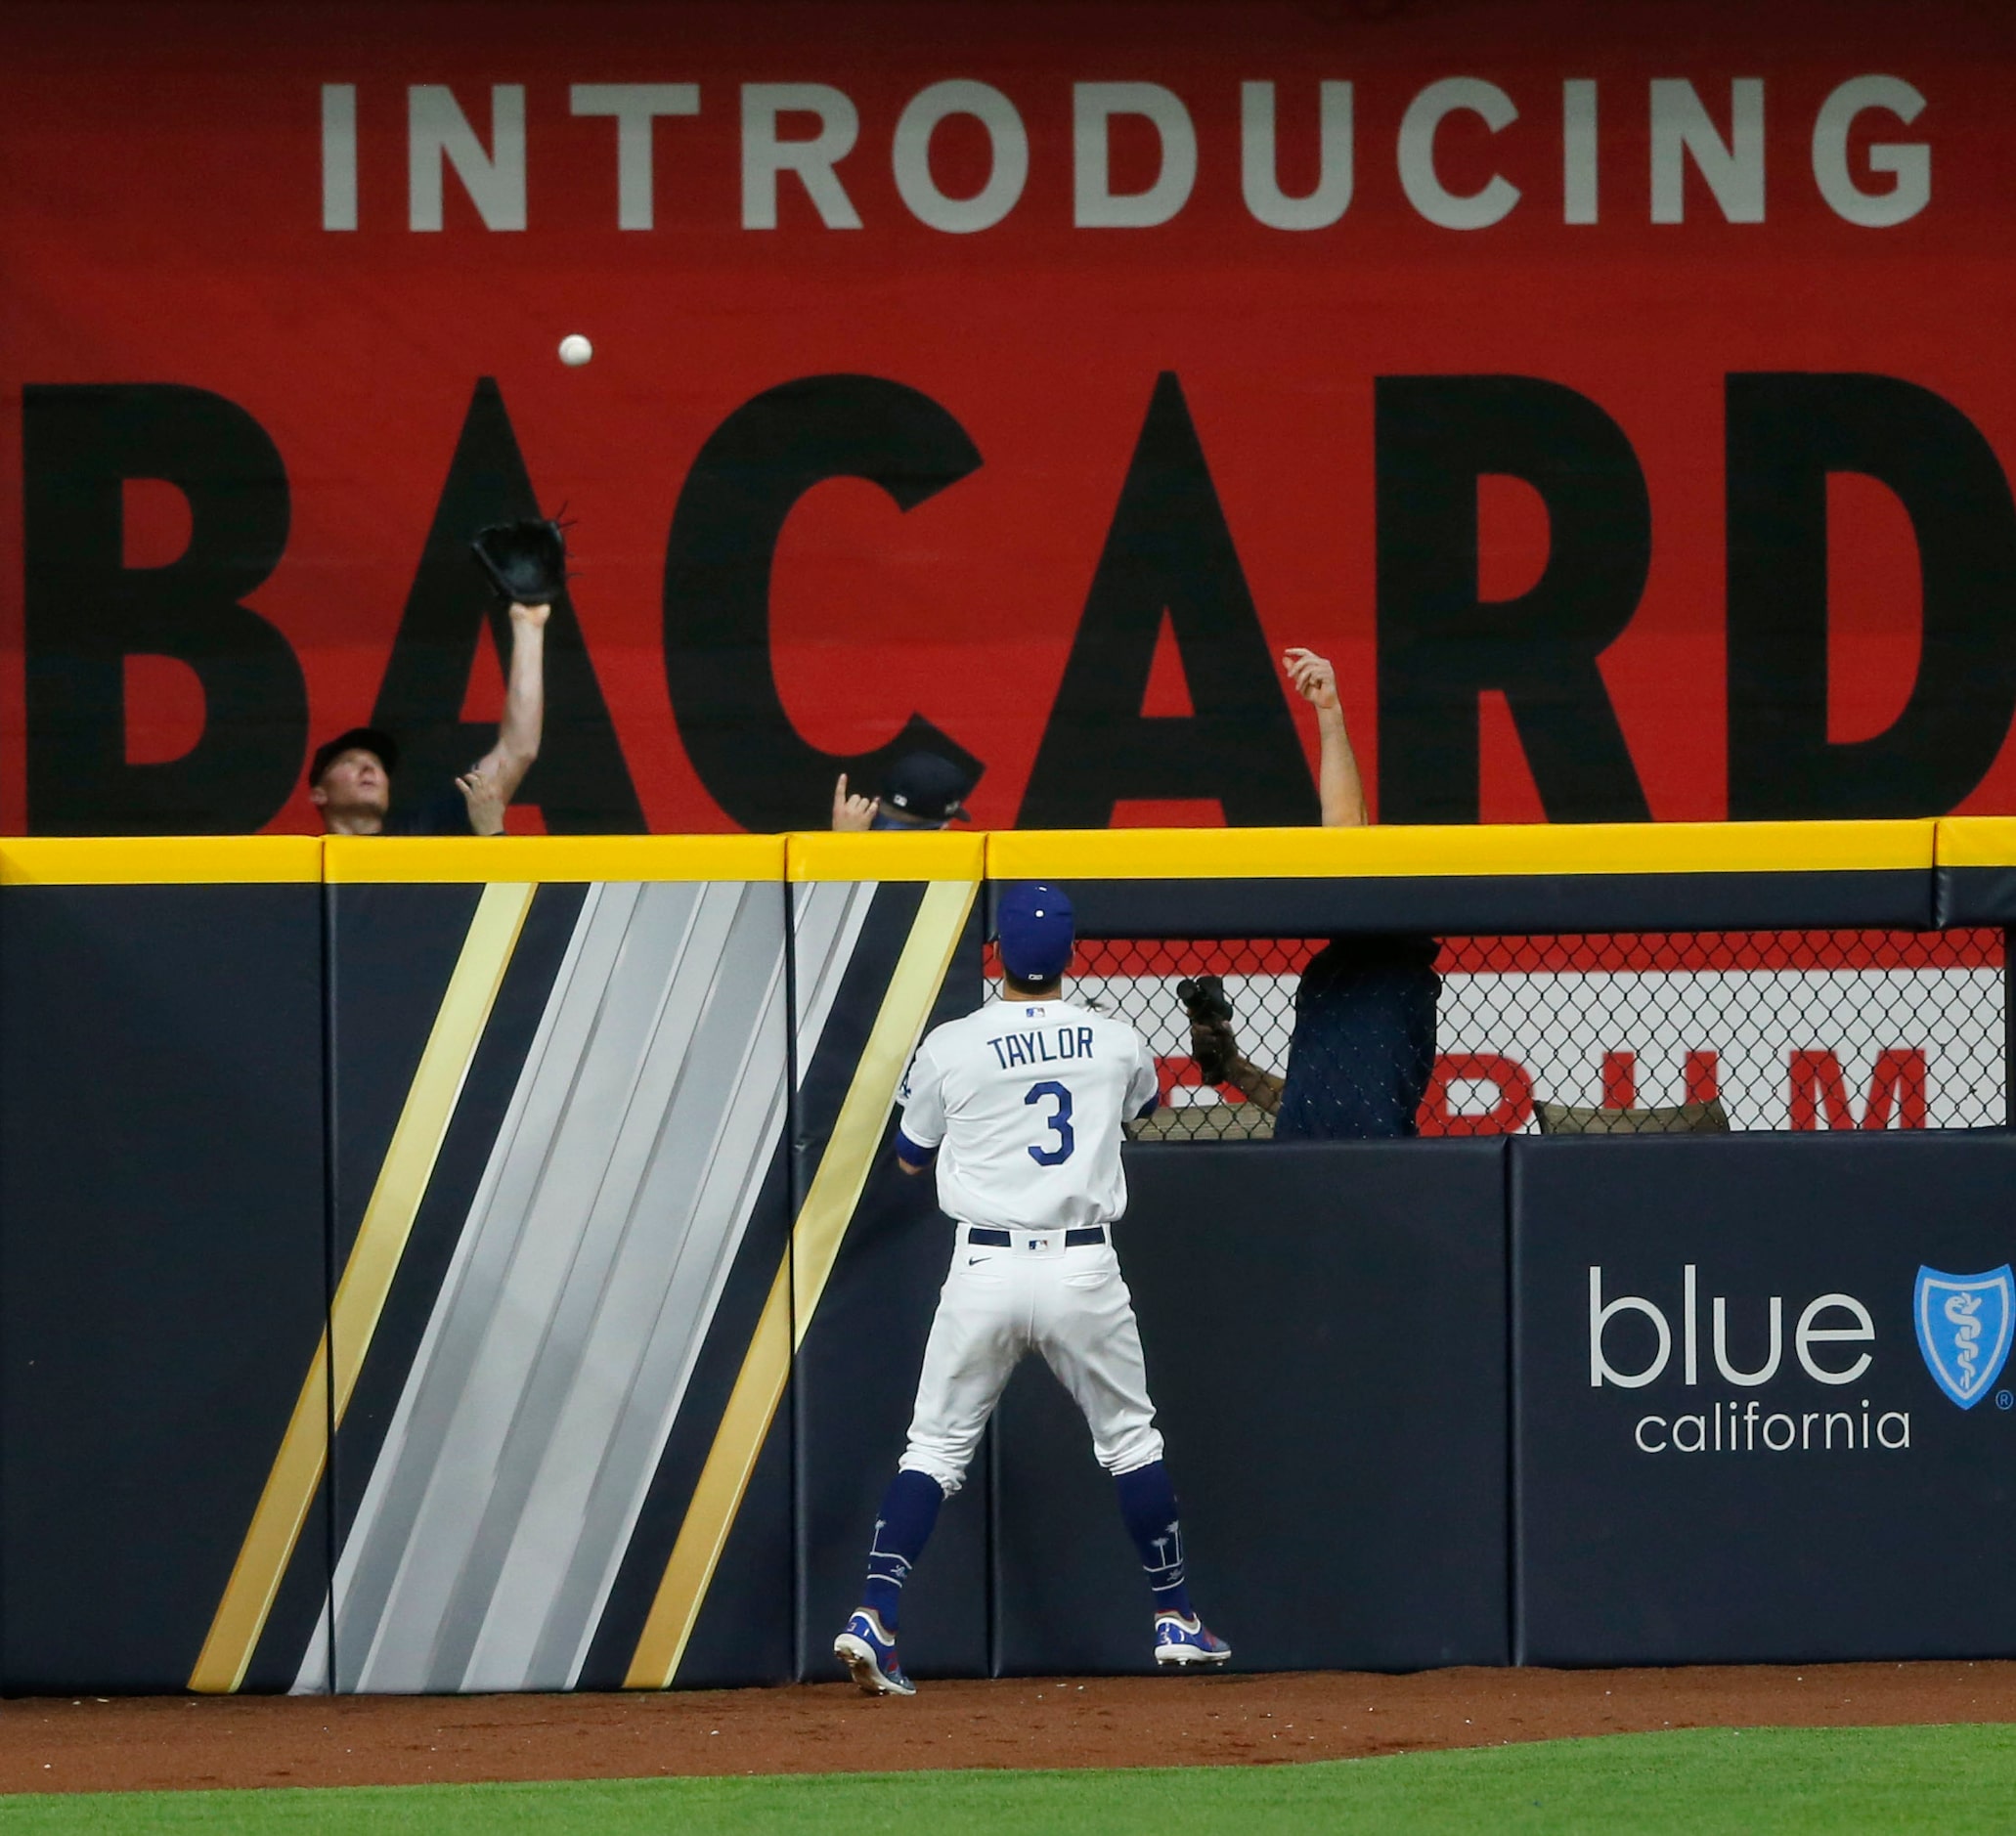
<point x="910" y="1510"/>
<point x="1148" y="1505"/>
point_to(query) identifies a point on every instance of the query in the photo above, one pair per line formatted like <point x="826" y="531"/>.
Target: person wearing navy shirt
<point x="1363" y="1042"/>
<point x="350" y="778"/>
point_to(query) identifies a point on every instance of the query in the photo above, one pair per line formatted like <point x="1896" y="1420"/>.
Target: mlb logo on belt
<point x="1964" y="1323"/>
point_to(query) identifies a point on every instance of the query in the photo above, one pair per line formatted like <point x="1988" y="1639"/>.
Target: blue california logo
<point x="1964" y="1323"/>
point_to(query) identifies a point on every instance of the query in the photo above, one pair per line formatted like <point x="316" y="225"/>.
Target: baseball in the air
<point x="574" y="350"/>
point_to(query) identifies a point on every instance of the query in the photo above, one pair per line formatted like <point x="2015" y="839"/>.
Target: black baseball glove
<point x="1212" y="1042"/>
<point x="527" y="563"/>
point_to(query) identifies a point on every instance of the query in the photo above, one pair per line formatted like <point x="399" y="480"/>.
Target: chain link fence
<point x="1653" y="1031"/>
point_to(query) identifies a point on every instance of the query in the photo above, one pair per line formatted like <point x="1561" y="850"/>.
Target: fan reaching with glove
<point x="526" y="561"/>
<point x="350" y="779"/>
<point x="1215" y="1046"/>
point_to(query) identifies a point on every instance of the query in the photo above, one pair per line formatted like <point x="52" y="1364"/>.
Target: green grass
<point x="1951" y="1780"/>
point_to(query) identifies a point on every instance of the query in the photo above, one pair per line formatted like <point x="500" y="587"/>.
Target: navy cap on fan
<point x="928" y="787"/>
<point x="1035" y="928"/>
<point x="371" y="739"/>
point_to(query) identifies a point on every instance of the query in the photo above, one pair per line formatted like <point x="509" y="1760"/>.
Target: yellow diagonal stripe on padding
<point x="823" y="1221"/>
<point x="360" y="1298"/>
<point x="836" y="1189"/>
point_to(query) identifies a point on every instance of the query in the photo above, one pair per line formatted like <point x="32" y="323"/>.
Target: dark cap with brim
<point x="928" y="787"/>
<point x="369" y="739"/>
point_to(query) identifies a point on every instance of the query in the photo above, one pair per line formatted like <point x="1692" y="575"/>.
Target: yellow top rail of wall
<point x="160" y="859"/>
<point x="1977" y="842"/>
<point x="1538" y="849"/>
<point x="1608" y="848"/>
<point x="352" y="859"/>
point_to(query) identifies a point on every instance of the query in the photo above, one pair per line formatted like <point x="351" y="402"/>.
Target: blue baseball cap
<point x="1035" y="928"/>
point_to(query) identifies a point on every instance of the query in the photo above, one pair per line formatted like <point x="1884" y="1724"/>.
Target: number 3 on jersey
<point x="1059" y="1120"/>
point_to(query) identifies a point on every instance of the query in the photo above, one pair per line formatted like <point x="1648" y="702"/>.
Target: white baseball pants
<point x="997" y="1305"/>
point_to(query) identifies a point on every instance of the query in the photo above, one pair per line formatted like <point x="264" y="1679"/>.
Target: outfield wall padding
<point x="1507" y="905"/>
<point x="1819" y="1520"/>
<point x="1444" y="882"/>
<point x="577" y="1153"/>
<point x="1324" y="1326"/>
<point x="578" y="1287"/>
<point x="162" y="1266"/>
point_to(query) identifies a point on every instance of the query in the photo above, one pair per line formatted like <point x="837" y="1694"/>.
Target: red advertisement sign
<point x="1620" y="396"/>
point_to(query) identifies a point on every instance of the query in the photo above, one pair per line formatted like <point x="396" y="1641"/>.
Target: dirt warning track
<point x="134" y="1743"/>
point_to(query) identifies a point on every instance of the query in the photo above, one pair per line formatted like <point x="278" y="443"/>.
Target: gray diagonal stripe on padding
<point x="647" y="1114"/>
<point x="827" y="920"/>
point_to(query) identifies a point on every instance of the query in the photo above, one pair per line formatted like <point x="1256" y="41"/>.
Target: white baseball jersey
<point x="1026" y="1101"/>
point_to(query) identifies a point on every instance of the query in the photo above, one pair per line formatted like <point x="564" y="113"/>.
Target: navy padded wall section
<point x="1324" y="1326"/>
<point x="1977" y="896"/>
<point x="1492" y="904"/>
<point x="1694" y="1506"/>
<point x="161" y="1267"/>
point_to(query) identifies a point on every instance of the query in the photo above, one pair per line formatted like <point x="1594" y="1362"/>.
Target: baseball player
<point x="1021" y="1105"/>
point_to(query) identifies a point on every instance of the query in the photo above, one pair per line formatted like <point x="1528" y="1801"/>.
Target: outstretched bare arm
<point x="1337" y="783"/>
<point x="524" y="712"/>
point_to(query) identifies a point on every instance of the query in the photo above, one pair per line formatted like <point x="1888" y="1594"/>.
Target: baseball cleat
<point x="1183" y="1641"/>
<point x="869" y="1654"/>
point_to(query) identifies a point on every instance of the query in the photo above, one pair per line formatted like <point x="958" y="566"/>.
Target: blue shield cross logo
<point x="1964" y="1323"/>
